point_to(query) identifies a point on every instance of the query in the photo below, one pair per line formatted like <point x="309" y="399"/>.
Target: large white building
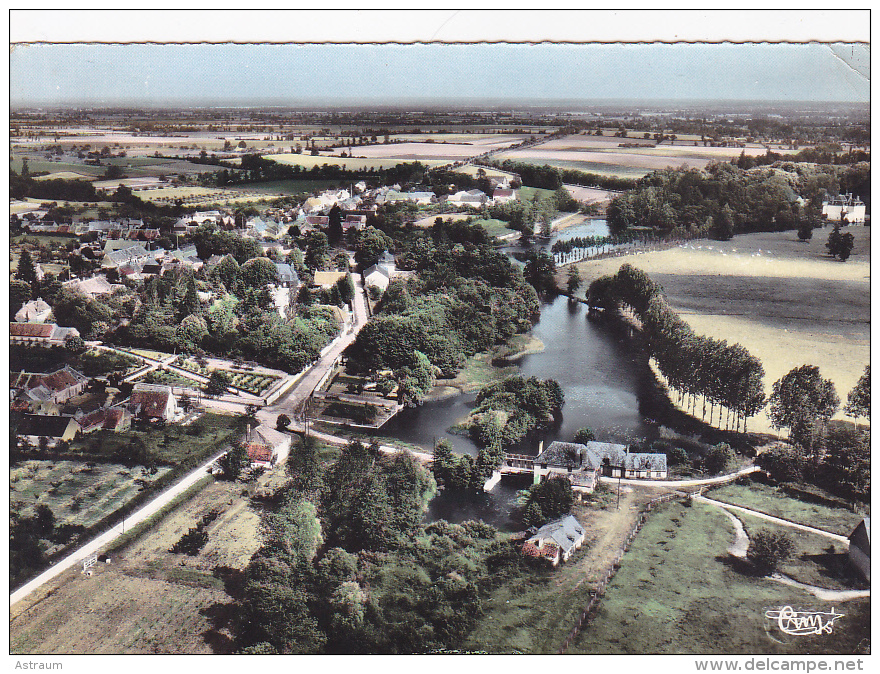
<point x="846" y="207"/>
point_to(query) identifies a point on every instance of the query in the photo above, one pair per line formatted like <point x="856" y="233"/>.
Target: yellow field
<point x="785" y="301"/>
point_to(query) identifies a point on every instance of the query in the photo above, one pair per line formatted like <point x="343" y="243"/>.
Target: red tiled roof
<point x="43" y="330"/>
<point x="257" y="452"/>
<point x="152" y="403"/>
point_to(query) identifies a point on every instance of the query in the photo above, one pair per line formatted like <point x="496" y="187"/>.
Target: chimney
<point x="540" y="447"/>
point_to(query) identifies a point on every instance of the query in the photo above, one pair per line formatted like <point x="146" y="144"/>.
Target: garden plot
<point x="77" y="493"/>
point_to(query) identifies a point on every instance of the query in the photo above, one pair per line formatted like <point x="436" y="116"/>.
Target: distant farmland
<point x="626" y="157"/>
<point x="352" y="163"/>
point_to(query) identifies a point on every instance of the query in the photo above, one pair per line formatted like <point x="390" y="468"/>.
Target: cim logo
<point x="802" y="623"/>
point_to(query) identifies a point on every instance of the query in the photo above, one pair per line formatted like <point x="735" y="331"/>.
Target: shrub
<point x="283" y="422"/>
<point x="768" y="549"/>
<point x="719" y="458"/>
<point x="192" y="542"/>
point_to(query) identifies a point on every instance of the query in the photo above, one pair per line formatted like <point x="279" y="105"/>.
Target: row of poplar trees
<point x="702" y="370"/>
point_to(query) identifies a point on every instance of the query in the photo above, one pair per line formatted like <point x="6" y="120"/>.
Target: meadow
<point x="307" y="161"/>
<point x="679" y="591"/>
<point x="786" y="301"/>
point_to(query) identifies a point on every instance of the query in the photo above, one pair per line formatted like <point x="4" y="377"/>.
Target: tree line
<point x="698" y="368"/>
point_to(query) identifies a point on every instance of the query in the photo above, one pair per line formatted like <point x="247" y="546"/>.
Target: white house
<point x="583" y="464"/>
<point x="503" y="196"/>
<point x="35" y="311"/>
<point x="860" y="548"/>
<point x="473" y="198"/>
<point x="556" y="541"/>
<point x="378" y="275"/>
<point x="850" y="209"/>
<point x="154" y="402"/>
<point x="267" y="447"/>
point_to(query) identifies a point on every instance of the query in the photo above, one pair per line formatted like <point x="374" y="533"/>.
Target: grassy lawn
<point x="529" y="193"/>
<point x="168" y="444"/>
<point x="476" y="373"/>
<point x="678" y="591"/>
<point x="773" y="501"/>
<point x="494" y="227"/>
<point x="816" y="560"/>
<point x="76" y="493"/>
<point x="147" y="353"/>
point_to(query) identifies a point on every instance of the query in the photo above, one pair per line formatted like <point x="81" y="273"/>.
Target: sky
<point x="150" y="75"/>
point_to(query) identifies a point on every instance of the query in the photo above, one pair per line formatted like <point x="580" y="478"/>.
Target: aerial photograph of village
<point x="440" y="348"/>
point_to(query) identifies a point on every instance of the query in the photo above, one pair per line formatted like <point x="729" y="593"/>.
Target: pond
<point x="605" y="390"/>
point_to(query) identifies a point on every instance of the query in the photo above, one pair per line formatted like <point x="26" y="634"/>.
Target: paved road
<point x="111" y="535"/>
<point x="267" y="415"/>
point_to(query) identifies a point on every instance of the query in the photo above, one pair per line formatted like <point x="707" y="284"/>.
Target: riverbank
<point x="486" y="367"/>
<point x="785" y="301"/>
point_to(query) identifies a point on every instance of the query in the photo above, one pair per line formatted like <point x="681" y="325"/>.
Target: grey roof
<point x="587" y="457"/>
<point x="378" y="268"/>
<point x="645" y="461"/>
<point x="861" y="536"/>
<point x="286" y="273"/>
<point x="564" y="532"/>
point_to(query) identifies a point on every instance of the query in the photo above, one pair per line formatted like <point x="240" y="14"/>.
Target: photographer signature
<point x="801" y="623"/>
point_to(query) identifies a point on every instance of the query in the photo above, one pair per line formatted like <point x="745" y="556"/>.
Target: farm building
<point x="97" y="285"/>
<point x="583" y="464"/>
<point x="503" y="196"/>
<point x="556" y="541"/>
<point x="153" y="402"/>
<point x="42" y="333"/>
<point x="267" y="447"/>
<point x="35" y="311"/>
<point x="37" y="428"/>
<point x="116" y="419"/>
<point x="473" y="198"/>
<point x="860" y="548"/>
<point x="845" y="207"/>
<point x="55" y="387"/>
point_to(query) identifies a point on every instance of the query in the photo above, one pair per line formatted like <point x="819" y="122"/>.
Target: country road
<point x="115" y="532"/>
<point x="267" y="415"/>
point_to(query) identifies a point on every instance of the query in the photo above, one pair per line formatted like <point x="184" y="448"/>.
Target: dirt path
<point x="607" y="530"/>
<point x="741" y="545"/>
<point x="775" y="520"/>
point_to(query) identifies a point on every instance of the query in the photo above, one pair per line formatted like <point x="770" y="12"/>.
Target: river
<point x="605" y="390"/>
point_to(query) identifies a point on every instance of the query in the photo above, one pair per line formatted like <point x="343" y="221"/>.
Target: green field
<point x="529" y="193"/>
<point x="166" y="444"/>
<point x="773" y="501"/>
<point x="678" y="591"/>
<point x="350" y="163"/>
<point x="168" y="378"/>
<point x="494" y="227"/>
<point x="77" y="493"/>
<point x="284" y="187"/>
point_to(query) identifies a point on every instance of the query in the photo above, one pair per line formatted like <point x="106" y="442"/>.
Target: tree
<point x="768" y="549"/>
<point x="583" y="436"/>
<point x="548" y="500"/>
<point x="725" y="225"/>
<point x="335" y="231"/>
<point x="282" y="422"/>
<point x="26" y="270"/>
<point x="574" y="280"/>
<point x="20" y="293"/>
<point x="234" y="462"/>
<point x="800" y="400"/>
<point x="74" y="344"/>
<point x="258" y="272"/>
<point x="858" y="402"/>
<point x="217" y="383"/>
<point x="840" y="245"/>
<point x="805" y="230"/>
<point x="719" y="458"/>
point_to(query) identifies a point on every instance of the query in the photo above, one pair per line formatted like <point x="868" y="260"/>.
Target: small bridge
<point x="510" y="464"/>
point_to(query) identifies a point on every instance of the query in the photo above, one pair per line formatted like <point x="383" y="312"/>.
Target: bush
<point x="768" y="549"/>
<point x="192" y="542"/>
<point x="719" y="458"/>
<point x="677" y="457"/>
<point x="282" y="422"/>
